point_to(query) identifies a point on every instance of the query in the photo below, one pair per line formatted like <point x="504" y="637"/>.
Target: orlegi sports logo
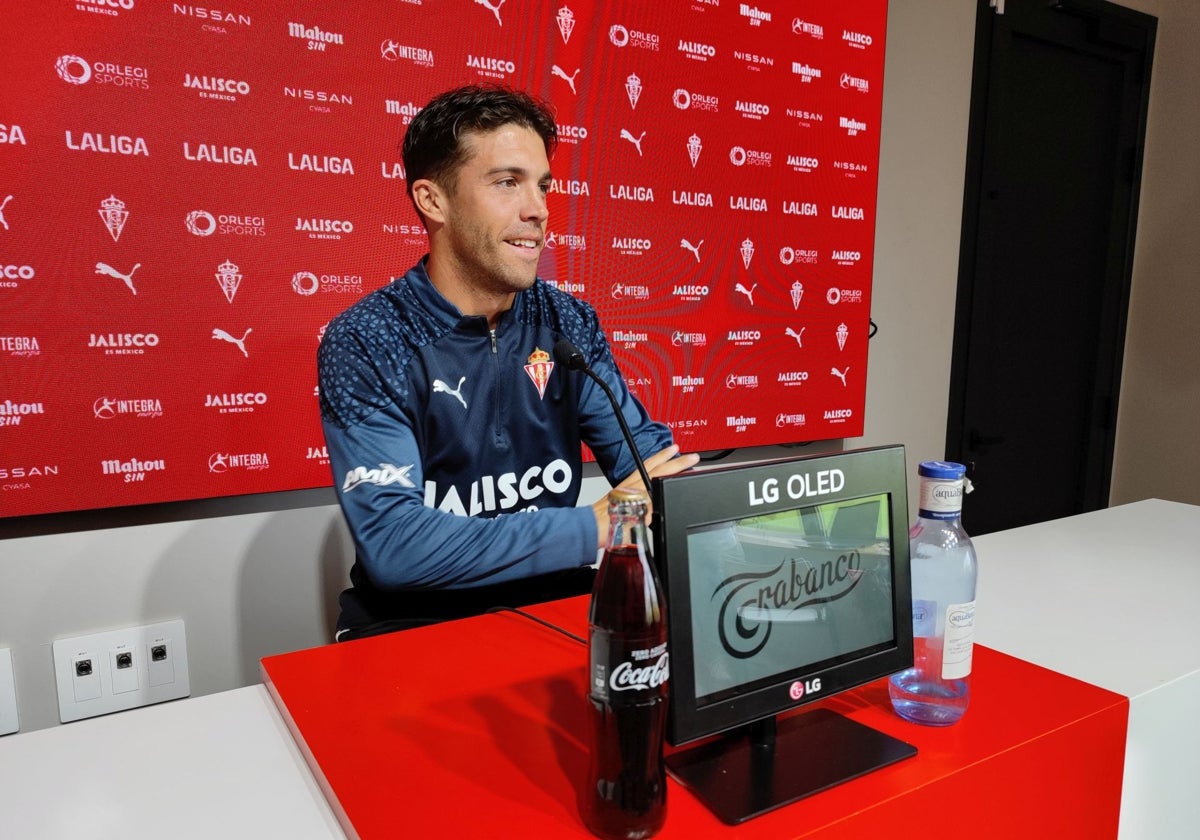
<point x="687" y="100"/>
<point x="307" y="283"/>
<point x="203" y="223"/>
<point x="76" y="70"/>
<point x="621" y="36"/>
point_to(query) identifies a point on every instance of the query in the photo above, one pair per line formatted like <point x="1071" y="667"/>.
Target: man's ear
<point x="430" y="200"/>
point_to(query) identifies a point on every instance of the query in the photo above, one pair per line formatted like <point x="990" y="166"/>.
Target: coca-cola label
<point x="627" y="673"/>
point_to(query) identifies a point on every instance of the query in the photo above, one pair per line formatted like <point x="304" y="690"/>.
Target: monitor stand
<point x="762" y="767"/>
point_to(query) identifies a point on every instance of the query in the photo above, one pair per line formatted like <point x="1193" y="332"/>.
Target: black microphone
<point x="566" y="353"/>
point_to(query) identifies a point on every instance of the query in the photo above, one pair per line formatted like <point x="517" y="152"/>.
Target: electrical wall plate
<point x="120" y="669"/>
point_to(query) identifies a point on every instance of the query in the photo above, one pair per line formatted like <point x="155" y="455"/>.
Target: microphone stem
<point x="637" y="458"/>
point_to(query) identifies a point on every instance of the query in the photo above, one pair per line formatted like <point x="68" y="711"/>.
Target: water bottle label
<point x="924" y="618"/>
<point x="960" y="641"/>
<point x="941" y="498"/>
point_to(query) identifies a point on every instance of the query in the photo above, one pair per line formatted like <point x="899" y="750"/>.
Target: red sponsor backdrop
<point x="188" y="193"/>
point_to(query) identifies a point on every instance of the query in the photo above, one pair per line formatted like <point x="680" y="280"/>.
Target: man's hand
<point x="662" y="463"/>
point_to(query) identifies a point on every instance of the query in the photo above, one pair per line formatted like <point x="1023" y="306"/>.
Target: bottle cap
<point x="948" y="470"/>
<point x="627" y="495"/>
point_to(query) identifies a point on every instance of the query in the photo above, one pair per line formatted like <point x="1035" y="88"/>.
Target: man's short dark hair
<point x="433" y="146"/>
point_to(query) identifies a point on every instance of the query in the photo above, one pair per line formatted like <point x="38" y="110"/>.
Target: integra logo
<point x="695" y="339"/>
<point x="20" y="345"/>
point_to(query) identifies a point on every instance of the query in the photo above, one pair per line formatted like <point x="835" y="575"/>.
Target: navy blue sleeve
<point x="598" y="424"/>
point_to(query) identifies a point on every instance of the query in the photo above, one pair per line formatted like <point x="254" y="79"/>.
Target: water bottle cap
<point x="947" y="470"/>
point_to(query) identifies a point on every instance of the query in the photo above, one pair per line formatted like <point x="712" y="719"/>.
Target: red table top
<point x="476" y="728"/>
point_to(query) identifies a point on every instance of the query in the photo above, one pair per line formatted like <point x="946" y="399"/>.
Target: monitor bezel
<point x="722" y="494"/>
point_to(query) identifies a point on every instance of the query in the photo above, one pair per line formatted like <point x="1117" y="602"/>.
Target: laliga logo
<point x="73" y="69"/>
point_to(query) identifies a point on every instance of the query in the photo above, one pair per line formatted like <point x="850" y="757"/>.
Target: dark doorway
<point x="1058" y="115"/>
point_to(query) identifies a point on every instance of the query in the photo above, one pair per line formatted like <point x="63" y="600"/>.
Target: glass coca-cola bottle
<point x="628" y="667"/>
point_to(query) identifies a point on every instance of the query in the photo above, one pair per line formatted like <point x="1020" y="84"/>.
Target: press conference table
<point x="473" y="728"/>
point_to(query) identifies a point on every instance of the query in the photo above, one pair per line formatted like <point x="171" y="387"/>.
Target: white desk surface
<point x="1108" y="597"/>
<point x="219" y="766"/>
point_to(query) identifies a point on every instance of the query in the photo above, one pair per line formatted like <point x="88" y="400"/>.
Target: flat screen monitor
<point x="787" y="582"/>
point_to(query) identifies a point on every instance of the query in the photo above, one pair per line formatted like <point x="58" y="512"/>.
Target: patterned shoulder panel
<point x="363" y="359"/>
<point x="574" y="318"/>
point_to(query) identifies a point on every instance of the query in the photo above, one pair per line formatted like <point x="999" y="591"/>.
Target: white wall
<point x="253" y="584"/>
<point x="1158" y="428"/>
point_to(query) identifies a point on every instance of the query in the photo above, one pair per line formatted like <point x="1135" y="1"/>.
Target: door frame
<point x="1112" y="24"/>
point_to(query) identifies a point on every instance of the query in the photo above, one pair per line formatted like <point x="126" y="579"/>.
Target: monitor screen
<point x="787" y="582"/>
<point x="805" y="587"/>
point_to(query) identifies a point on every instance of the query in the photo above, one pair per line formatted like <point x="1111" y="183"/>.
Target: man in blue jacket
<point x="453" y="435"/>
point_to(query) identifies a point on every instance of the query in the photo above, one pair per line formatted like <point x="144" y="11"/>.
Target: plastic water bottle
<point x="936" y="690"/>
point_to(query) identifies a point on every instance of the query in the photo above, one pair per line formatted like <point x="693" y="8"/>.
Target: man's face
<point x="495" y="215"/>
